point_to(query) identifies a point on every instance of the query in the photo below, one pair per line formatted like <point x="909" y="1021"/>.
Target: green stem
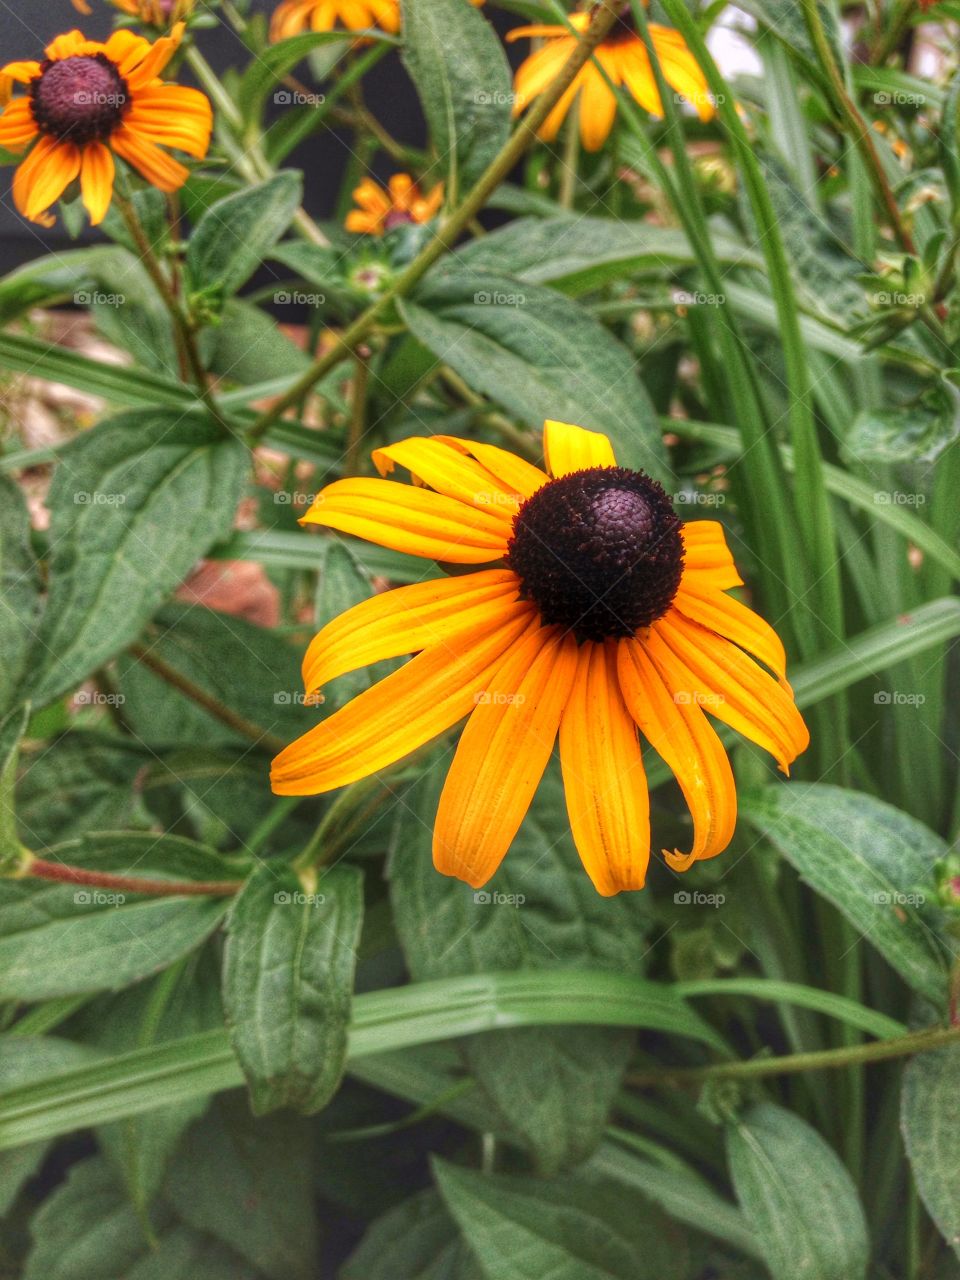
<point x="791" y="1064"/>
<point x="453" y="226"/>
<point x="358" y="413"/>
<point x="40" y="869"/>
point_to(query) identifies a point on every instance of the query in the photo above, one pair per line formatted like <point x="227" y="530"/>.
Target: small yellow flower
<point x="624" y="58"/>
<point x="87" y="102"/>
<point x="155" y="13"/>
<point x="294" y="16"/>
<point x="592" y="613"/>
<point x="381" y="210"/>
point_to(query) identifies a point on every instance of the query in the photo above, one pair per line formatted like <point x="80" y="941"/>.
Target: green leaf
<point x="136" y="388"/>
<point x="237" y="232"/>
<point x="249" y="669"/>
<point x="134" y="504"/>
<point x="272" y="63"/>
<point x="797" y="1197"/>
<point x="570" y="1229"/>
<point x="930" y="1117"/>
<point x="248" y="1183"/>
<point x="62" y="939"/>
<point x="288" y="975"/>
<point x="23" y="1059"/>
<point x="463" y="78"/>
<point x="873" y="862"/>
<point x="553" y="1087"/>
<point x="539" y="356"/>
<point x="19" y="591"/>
<point x="579" y="254"/>
<point x="12" y="729"/>
<point x="87" y="1229"/>
<point x="920" y="433"/>
<point x="417" y="1240"/>
<point x="184" y="1252"/>
<point x="247" y="342"/>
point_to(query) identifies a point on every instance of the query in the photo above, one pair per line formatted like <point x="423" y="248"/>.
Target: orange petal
<point x="729" y="618"/>
<point x="706" y="556"/>
<point x="159" y="169"/>
<point x="452" y="473"/>
<point x="173" y="115"/>
<point x="728" y="684"/>
<point x="514" y="473"/>
<point x="678" y="730"/>
<point x="22" y="72"/>
<point x="603" y="775"/>
<point x="404" y="621"/>
<point x="65" y="46"/>
<point x="639" y="78"/>
<point x="539" y="70"/>
<point x="568" y="448"/>
<point x="401" y="713"/>
<point x="416" y="521"/>
<point x="43" y="177"/>
<point x="598" y="106"/>
<point x="17" y="125"/>
<point x="139" y="72"/>
<point x="502" y="754"/>
<point x="681" y="70"/>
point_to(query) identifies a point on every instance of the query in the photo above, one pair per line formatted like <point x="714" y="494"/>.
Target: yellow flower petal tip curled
<point x="294" y="16"/>
<point x="624" y="58"/>
<point x="593" y="615"/>
<point x="161" y="14"/>
<point x="88" y="102"/>
<point x="381" y="209"/>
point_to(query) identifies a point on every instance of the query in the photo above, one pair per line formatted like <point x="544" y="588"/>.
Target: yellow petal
<point x="516" y="474"/>
<point x="598" y="106"/>
<point x="568" y="448"/>
<point x="155" y="165"/>
<point x="404" y="621"/>
<point x="706" y="556"/>
<point x="416" y="521"/>
<point x="678" y="730"/>
<point x="452" y="473"/>
<point x="681" y="70"/>
<point x="401" y="713"/>
<point x="96" y="180"/>
<point x="728" y="684"/>
<point x="44" y="176"/>
<point x="17" y="125"/>
<point x="502" y="754"/>
<point x="603" y="776"/>
<point x="729" y="618"/>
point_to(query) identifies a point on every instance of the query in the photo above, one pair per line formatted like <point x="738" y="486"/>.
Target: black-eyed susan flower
<point x="380" y="210"/>
<point x="88" y="102"/>
<point x="154" y="13"/>
<point x="294" y="16"/>
<point x="624" y="58"/>
<point x="593" y="613"/>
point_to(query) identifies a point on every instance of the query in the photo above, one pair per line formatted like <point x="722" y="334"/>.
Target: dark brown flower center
<point x="397" y="218"/>
<point x="598" y="552"/>
<point x="80" y="99"/>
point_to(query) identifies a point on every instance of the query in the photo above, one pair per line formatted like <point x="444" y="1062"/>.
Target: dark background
<point x="27" y="25"/>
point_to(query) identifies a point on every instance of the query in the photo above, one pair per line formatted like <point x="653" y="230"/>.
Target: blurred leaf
<point x="184" y="1252"/>
<point x="463" y="78"/>
<point x="931" y="1121"/>
<point x="23" y="1059"/>
<point x="247" y="1183"/>
<point x="552" y="1086"/>
<point x="247" y="342"/>
<point x="86" y="1229"/>
<point x="538" y="355"/>
<point x="920" y="433"/>
<point x="62" y="939"/>
<point x="570" y="1229"/>
<point x="289" y="967"/>
<point x="272" y="63"/>
<point x="19" y="591"/>
<point x="873" y="862"/>
<point x="116" y="384"/>
<point x="417" y="1240"/>
<point x="134" y="504"/>
<point x="183" y="1001"/>
<point x="11" y="731"/>
<point x="237" y="232"/>
<point x="797" y="1197"/>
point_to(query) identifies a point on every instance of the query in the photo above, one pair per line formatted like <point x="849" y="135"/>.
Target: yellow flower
<point x="294" y="16"/>
<point x="87" y="102"/>
<point x="382" y="210"/>
<point x="155" y="13"/>
<point x="624" y="58"/>
<point x="598" y="614"/>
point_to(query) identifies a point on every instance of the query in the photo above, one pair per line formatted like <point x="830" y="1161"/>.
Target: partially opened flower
<point x="598" y="614"/>
<point x="294" y="16"/>
<point x="87" y="102"/>
<point x="155" y="13"/>
<point x="402" y="202"/>
<point x="624" y="58"/>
